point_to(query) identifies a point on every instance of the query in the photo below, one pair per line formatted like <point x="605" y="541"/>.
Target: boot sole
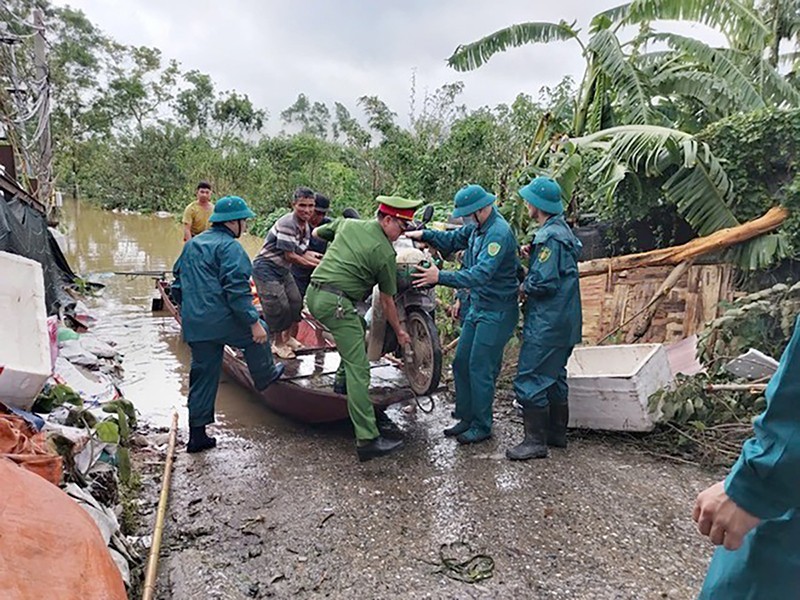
<point x="196" y="449"/>
<point x="526" y="457"/>
<point x="365" y="457"/>
<point x="450" y="432"/>
<point x="467" y="442"/>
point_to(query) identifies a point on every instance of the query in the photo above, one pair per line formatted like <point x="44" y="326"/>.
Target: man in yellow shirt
<point x="195" y="217"/>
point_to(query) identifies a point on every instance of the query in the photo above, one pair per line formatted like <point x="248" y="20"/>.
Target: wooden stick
<point x="636" y="333"/>
<point x="718" y="240"/>
<point x="736" y="387"/>
<point x="155" y="549"/>
<point x="450" y="346"/>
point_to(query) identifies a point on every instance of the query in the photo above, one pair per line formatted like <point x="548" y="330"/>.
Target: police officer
<point x="755" y="513"/>
<point x="212" y="285"/>
<point x="490" y="273"/>
<point x="359" y="256"/>
<point x="552" y="323"/>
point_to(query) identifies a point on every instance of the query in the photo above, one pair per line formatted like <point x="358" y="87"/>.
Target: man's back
<point x="214" y="273"/>
<point x="359" y="256"/>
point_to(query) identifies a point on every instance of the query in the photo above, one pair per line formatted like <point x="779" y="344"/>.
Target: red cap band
<point x="400" y="213"/>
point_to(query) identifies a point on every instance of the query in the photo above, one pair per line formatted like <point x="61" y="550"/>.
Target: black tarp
<point x="23" y="231"/>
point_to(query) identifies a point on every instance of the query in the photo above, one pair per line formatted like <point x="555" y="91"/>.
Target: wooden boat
<point x="305" y="393"/>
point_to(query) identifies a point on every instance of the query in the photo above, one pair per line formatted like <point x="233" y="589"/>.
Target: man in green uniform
<point x="359" y="256"/>
<point x="212" y="286"/>
<point x="552" y="323"/>
<point x="755" y="512"/>
<point x="489" y="271"/>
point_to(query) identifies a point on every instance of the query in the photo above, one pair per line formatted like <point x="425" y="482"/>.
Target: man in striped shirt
<point x="286" y="244"/>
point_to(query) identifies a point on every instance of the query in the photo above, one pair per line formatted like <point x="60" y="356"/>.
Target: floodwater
<point x="284" y="510"/>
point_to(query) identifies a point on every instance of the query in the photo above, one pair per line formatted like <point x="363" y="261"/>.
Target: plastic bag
<point x="51" y="547"/>
<point x="20" y="443"/>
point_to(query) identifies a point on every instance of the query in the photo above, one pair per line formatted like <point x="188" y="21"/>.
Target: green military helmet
<point x="230" y="208"/>
<point x="545" y="194"/>
<point x="471" y="199"/>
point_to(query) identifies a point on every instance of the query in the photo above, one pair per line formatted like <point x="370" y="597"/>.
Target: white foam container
<point x="24" y="342"/>
<point x="609" y="386"/>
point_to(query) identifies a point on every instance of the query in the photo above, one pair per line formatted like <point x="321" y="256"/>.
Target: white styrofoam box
<point x="609" y="386"/>
<point x="24" y="343"/>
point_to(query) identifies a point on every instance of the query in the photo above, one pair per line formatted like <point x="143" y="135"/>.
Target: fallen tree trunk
<point x="724" y="238"/>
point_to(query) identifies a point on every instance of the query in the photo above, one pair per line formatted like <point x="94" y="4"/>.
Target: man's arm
<point x="188" y="217"/>
<point x="307" y="259"/>
<point x="390" y="312"/>
<point x="328" y="231"/>
<point x="544" y="277"/>
<point x="445" y="242"/>
<point x="763" y="482"/>
<point x="175" y="287"/>
<point x="486" y="264"/>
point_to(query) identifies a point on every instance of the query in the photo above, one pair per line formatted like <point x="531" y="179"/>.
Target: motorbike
<point x="422" y="358"/>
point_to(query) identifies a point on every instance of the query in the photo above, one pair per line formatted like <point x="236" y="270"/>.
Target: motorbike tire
<point x="424" y="369"/>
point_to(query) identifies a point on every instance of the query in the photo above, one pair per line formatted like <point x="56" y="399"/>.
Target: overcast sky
<point x="339" y="50"/>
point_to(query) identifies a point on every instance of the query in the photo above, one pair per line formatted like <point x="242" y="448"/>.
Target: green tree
<point x="195" y="104"/>
<point x="313" y="118"/>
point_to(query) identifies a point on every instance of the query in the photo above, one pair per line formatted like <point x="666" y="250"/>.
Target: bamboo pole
<point x="155" y="549"/>
<point x="718" y="240"/>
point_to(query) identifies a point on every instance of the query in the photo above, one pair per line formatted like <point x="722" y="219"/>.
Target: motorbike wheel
<point x="424" y="369"/>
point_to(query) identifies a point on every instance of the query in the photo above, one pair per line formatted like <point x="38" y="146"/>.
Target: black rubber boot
<point x="457" y="429"/>
<point x="199" y="440"/>
<point x="380" y="446"/>
<point x="387" y="428"/>
<point x="557" y="431"/>
<point x="340" y="387"/>
<point x="535" y="443"/>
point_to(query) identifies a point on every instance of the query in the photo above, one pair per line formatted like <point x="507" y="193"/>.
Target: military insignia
<point x="493" y="249"/>
<point x="544" y="254"/>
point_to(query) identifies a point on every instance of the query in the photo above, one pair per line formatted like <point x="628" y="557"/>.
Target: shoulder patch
<point x="493" y="248"/>
<point x="544" y="254"/>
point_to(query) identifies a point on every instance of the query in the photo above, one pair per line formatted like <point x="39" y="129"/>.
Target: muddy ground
<point x="283" y="510"/>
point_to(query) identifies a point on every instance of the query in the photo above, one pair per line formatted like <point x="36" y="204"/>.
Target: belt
<point x="324" y="287"/>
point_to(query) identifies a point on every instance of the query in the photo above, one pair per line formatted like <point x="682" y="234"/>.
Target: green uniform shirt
<point x="359" y="256"/>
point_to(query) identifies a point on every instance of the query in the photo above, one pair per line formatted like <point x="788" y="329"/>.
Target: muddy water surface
<point x="284" y="510"/>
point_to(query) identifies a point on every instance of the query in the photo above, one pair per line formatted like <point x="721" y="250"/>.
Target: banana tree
<point x="695" y="180"/>
<point x="608" y="75"/>
<point x="623" y="85"/>
<point x="631" y="98"/>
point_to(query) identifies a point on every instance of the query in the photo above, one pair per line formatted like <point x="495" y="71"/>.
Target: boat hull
<point x="305" y="392"/>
